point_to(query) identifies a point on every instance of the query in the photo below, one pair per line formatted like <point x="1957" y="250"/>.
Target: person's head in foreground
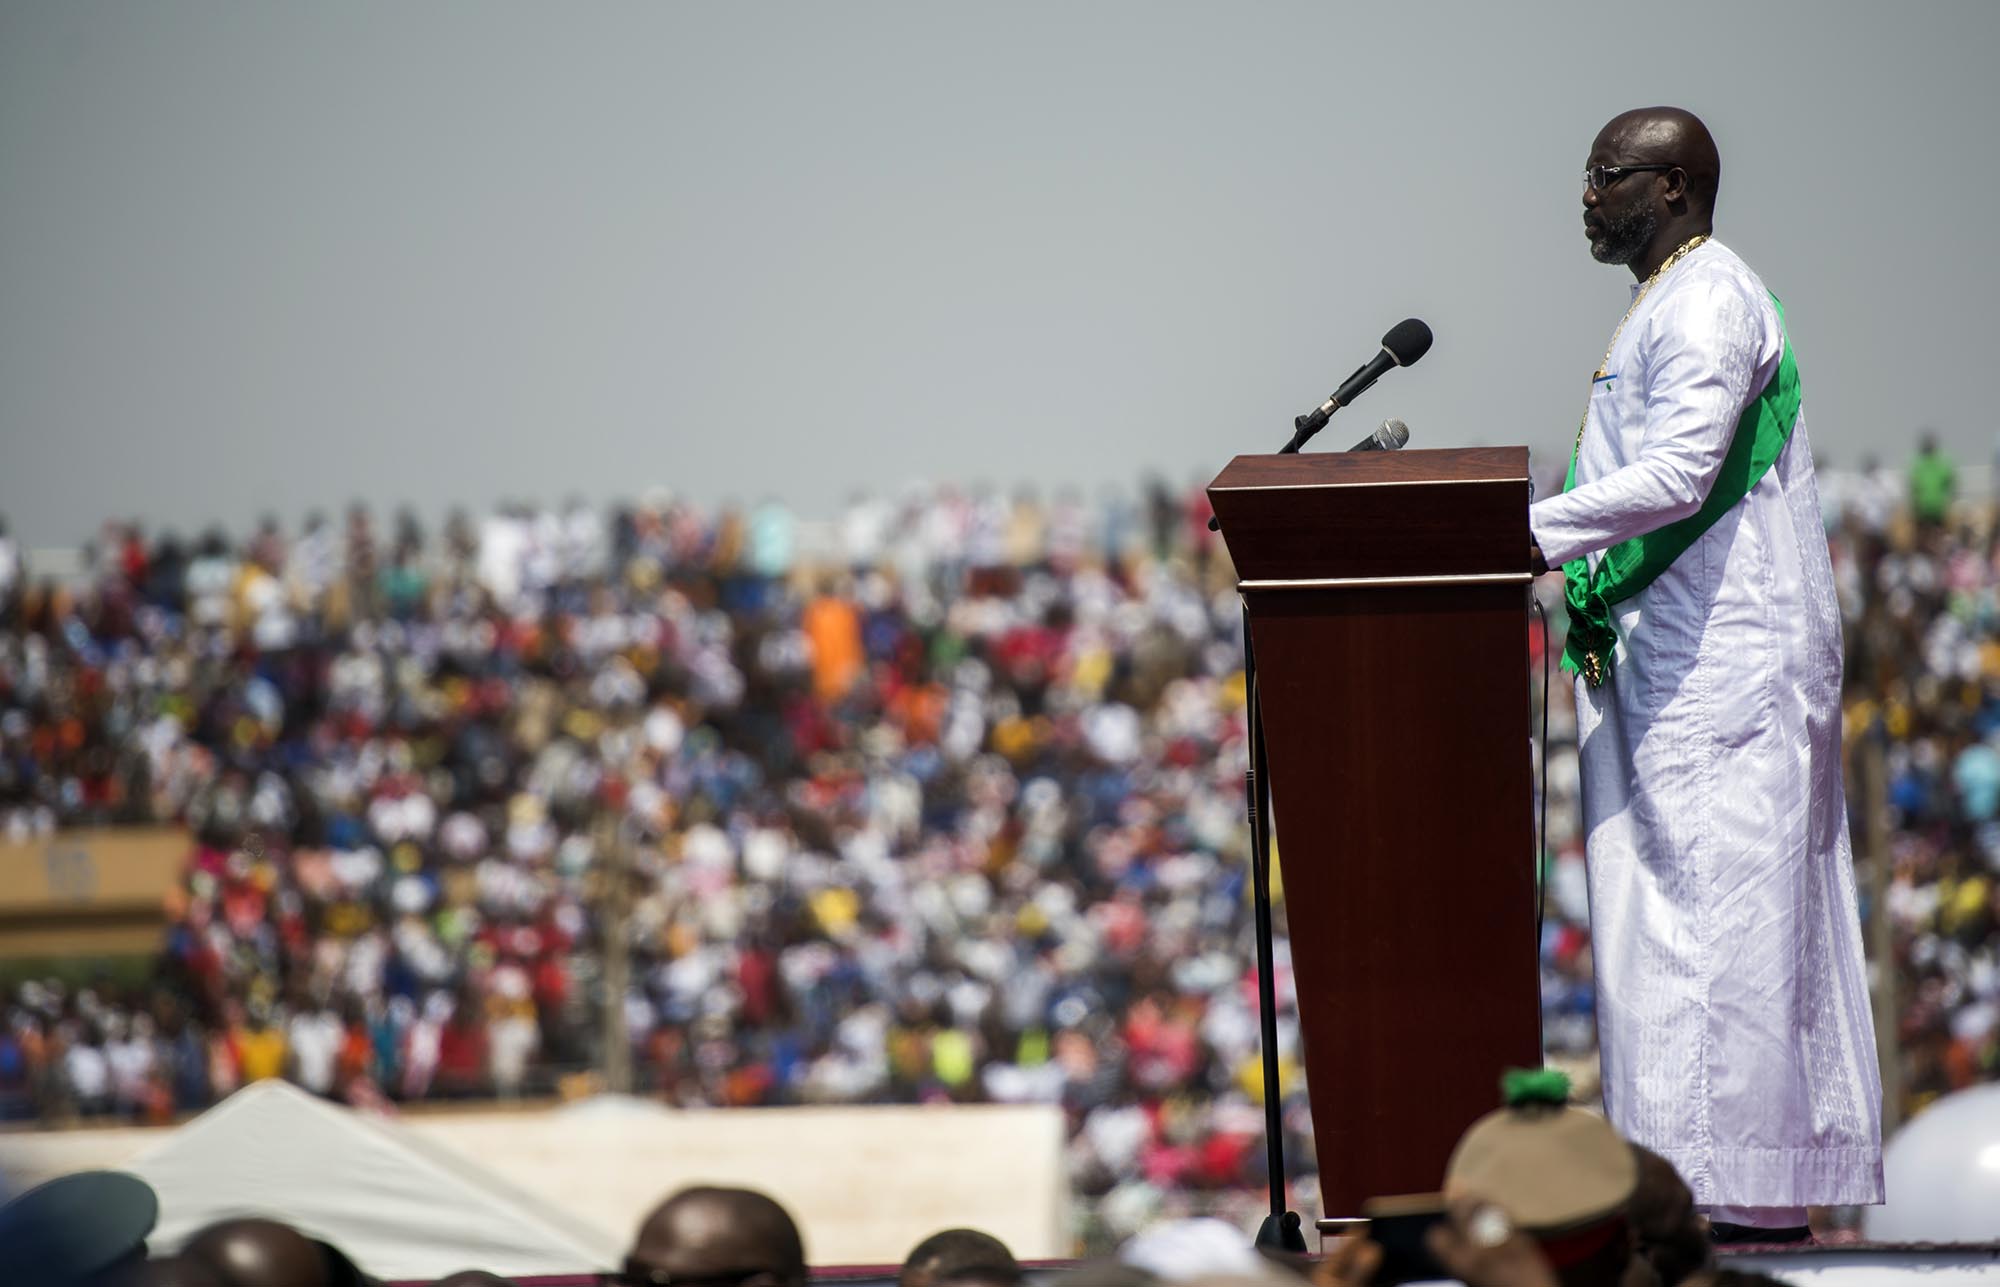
<point x="959" y="1254"/>
<point x="1670" y="1234"/>
<point x="1649" y="185"/>
<point x="717" y="1237"/>
<point x="259" y="1253"/>
<point x="86" y="1228"/>
<point x="979" y="1276"/>
<point x="1557" y="1174"/>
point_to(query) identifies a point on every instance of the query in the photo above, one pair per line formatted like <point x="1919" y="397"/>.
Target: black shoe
<point x="1724" y="1234"/>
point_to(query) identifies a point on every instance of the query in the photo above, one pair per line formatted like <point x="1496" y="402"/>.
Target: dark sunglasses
<point x="1599" y="177"/>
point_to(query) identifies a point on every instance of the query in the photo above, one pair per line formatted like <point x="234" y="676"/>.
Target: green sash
<point x="1630" y="566"/>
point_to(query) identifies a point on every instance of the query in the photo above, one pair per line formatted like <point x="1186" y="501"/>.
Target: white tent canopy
<point x="399" y="1205"/>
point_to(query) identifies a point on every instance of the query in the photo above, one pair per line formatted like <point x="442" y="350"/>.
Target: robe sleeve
<point x="1698" y="357"/>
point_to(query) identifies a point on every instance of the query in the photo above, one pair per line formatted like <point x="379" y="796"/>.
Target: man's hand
<point x="1536" y="563"/>
<point x="1352" y="1262"/>
<point x="1478" y="1244"/>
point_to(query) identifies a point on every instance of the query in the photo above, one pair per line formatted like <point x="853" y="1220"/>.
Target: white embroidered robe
<point x="1732" y="999"/>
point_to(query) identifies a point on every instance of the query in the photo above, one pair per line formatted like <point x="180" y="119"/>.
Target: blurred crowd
<point x="1918" y="571"/>
<point x="944" y="805"/>
<point x="951" y="811"/>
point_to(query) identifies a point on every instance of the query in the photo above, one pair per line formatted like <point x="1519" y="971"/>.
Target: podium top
<point x="1375" y="468"/>
<point x="1353" y="516"/>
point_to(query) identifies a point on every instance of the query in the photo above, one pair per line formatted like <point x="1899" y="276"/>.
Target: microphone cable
<point x="1542" y="827"/>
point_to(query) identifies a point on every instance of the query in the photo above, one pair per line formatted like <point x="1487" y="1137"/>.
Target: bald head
<point x="721" y="1234"/>
<point x="1653" y="175"/>
<point x="1668" y="136"/>
<point x="258" y="1253"/>
<point x="959" y="1254"/>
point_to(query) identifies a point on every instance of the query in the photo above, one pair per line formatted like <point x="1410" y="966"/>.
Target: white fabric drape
<point x="398" y="1205"/>
<point x="1733" y="1012"/>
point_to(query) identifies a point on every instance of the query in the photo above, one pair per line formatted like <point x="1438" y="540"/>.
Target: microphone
<point x="1406" y="341"/>
<point x="1390" y="437"/>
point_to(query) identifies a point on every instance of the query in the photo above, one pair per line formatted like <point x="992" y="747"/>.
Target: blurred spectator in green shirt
<point x="1933" y="482"/>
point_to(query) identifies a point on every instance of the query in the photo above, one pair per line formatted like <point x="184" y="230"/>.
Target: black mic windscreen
<point x="1407" y="341"/>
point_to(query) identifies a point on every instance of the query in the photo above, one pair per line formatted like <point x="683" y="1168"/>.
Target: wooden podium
<point x="1387" y="595"/>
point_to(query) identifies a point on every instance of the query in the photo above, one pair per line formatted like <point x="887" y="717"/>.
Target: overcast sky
<point x="270" y="257"/>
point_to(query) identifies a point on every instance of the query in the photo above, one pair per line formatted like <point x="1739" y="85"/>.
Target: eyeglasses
<point x="635" y="1274"/>
<point x="1599" y="177"/>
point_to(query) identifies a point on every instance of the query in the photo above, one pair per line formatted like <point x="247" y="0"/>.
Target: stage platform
<point x="1858" y="1264"/>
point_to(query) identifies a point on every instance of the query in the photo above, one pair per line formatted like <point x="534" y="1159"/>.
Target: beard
<point x="1625" y="235"/>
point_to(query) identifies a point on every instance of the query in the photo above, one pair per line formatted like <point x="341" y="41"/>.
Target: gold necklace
<point x="1681" y="252"/>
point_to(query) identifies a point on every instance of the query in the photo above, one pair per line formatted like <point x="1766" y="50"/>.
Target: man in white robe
<point x="1733" y="1009"/>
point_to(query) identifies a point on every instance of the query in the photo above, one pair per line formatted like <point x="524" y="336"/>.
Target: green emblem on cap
<point x="1520" y="1087"/>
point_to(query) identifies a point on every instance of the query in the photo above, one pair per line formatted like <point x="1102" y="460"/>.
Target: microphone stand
<point x="1303" y="429"/>
<point x="1281" y="1229"/>
<point x="1300" y="435"/>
